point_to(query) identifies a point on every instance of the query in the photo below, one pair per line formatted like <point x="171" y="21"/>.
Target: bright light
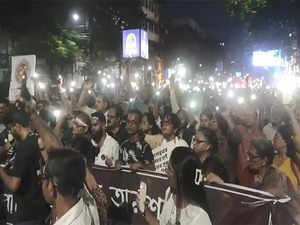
<point x="200" y="65"/>
<point x="73" y="83"/>
<point x="71" y="89"/>
<point x="157" y="93"/>
<point x="56" y="113"/>
<point x="287" y="85"/>
<point x="241" y="100"/>
<point x="193" y="104"/>
<point x="153" y="84"/>
<point x="112" y="85"/>
<point x="230" y="93"/>
<point x="217" y="108"/>
<point x="131" y="100"/>
<point x="90" y="92"/>
<point x="63" y="90"/>
<point x="42" y="85"/>
<point x="75" y="17"/>
<point x="136" y="75"/>
<point x="99" y="72"/>
<point x="149" y="67"/>
<point x="253" y="97"/>
<point x="290" y="35"/>
<point x="268" y="87"/>
<point x="104" y="81"/>
<point x="35" y="75"/>
<point x="182" y="71"/>
<point x="211" y="79"/>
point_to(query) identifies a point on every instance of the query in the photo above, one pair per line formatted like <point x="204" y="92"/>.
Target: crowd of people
<point x="46" y="174"/>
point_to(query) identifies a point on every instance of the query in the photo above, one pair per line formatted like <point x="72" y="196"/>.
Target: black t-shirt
<point x="213" y="165"/>
<point x="121" y="136"/>
<point x="135" y="152"/>
<point x="27" y="203"/>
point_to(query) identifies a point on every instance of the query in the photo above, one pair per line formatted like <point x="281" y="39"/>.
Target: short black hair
<point x="20" y="117"/>
<point x="264" y="148"/>
<point x="100" y="116"/>
<point x="208" y="113"/>
<point x="137" y="112"/>
<point x="119" y="111"/>
<point x="66" y="170"/>
<point x="211" y="139"/>
<point x="174" y="120"/>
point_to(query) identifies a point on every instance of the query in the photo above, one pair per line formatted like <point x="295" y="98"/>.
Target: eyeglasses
<point x="196" y="141"/>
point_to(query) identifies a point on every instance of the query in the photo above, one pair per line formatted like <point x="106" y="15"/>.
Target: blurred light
<point x="217" y="108"/>
<point x="268" y="87"/>
<point x="131" y="99"/>
<point x="99" y="72"/>
<point x="71" y="89"/>
<point x="73" y="83"/>
<point x="42" y="85"/>
<point x="75" y="17"/>
<point x="35" y="75"/>
<point x="149" y="67"/>
<point x="193" y="104"/>
<point x="290" y="35"/>
<point x="211" y="79"/>
<point x="182" y="70"/>
<point x="90" y="92"/>
<point x="104" y="81"/>
<point x="178" y="59"/>
<point x="136" y="75"/>
<point x="241" y="100"/>
<point x="56" y="113"/>
<point x="112" y="85"/>
<point x="121" y="77"/>
<point x="157" y="93"/>
<point x="200" y="65"/>
<point x="253" y="97"/>
<point x="153" y="84"/>
<point x="63" y="90"/>
<point x="230" y="93"/>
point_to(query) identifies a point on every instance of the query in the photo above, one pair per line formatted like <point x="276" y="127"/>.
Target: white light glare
<point x="253" y="97"/>
<point x="157" y="93"/>
<point x="56" y="113"/>
<point x="90" y="92"/>
<point x="136" y="75"/>
<point x="230" y="93"/>
<point x="149" y="67"/>
<point x="99" y="72"/>
<point x="217" y="108"/>
<point x="35" y="75"/>
<point x="71" y="89"/>
<point x="75" y="17"/>
<point x="193" y="104"/>
<point x="211" y="79"/>
<point x="73" y="83"/>
<point x="42" y="85"/>
<point x="182" y="71"/>
<point x="241" y="100"/>
<point x="104" y="81"/>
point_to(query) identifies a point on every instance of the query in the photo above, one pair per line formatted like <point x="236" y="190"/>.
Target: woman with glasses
<point x="205" y="145"/>
<point x="185" y="202"/>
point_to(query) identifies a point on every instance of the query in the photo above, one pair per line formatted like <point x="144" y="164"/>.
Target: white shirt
<point x="190" y="215"/>
<point x="79" y="214"/>
<point x="163" y="153"/>
<point x="109" y="150"/>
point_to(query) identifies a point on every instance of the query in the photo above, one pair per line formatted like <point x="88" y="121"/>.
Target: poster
<point x="23" y="68"/>
<point x="135" y="44"/>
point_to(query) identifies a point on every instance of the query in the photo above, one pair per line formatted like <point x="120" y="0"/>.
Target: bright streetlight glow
<point x="75" y="17"/>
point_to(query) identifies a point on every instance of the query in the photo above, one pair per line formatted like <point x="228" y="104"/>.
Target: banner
<point x="228" y="204"/>
<point x="23" y="68"/>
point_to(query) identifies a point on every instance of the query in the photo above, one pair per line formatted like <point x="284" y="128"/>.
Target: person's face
<point x="200" y="143"/>
<point x="48" y="190"/>
<point x="182" y="119"/>
<point x="204" y="121"/>
<point x="145" y="126"/>
<point x="112" y="120"/>
<point x="78" y="129"/>
<point x="100" y="105"/>
<point x="255" y="161"/>
<point x="16" y="131"/>
<point x="168" y="129"/>
<point x="279" y="144"/>
<point x="3" y="111"/>
<point x="213" y="125"/>
<point x="133" y="123"/>
<point x="171" y="177"/>
<point x="277" y="114"/>
<point x="249" y="118"/>
<point x="97" y="130"/>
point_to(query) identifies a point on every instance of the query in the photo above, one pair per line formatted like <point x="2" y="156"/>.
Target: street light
<point x="75" y="17"/>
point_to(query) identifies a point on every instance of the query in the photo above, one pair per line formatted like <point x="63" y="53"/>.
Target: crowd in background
<point x="47" y="161"/>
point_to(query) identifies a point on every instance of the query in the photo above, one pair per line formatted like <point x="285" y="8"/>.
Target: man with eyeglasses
<point x="23" y="195"/>
<point x="114" y="125"/>
<point x="135" y="152"/>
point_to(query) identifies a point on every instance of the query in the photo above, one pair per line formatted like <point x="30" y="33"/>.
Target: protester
<point x="206" y="147"/>
<point x="107" y="147"/>
<point x="142" y="101"/>
<point x="185" y="203"/>
<point x="152" y="132"/>
<point x="187" y="130"/>
<point x="170" y="127"/>
<point x="61" y="189"/>
<point x="23" y="191"/>
<point x="135" y="152"/>
<point x="205" y="118"/>
<point x="284" y="146"/>
<point x="114" y="126"/>
<point x="268" y="178"/>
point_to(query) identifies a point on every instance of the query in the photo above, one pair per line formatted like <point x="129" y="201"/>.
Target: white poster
<point x="23" y="68"/>
<point x="163" y="153"/>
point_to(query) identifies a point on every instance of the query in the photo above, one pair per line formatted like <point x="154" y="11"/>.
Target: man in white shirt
<point x="64" y="178"/>
<point x="107" y="146"/>
<point x="162" y="154"/>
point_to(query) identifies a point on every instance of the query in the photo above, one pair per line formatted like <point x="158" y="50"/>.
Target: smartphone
<point x="142" y="196"/>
